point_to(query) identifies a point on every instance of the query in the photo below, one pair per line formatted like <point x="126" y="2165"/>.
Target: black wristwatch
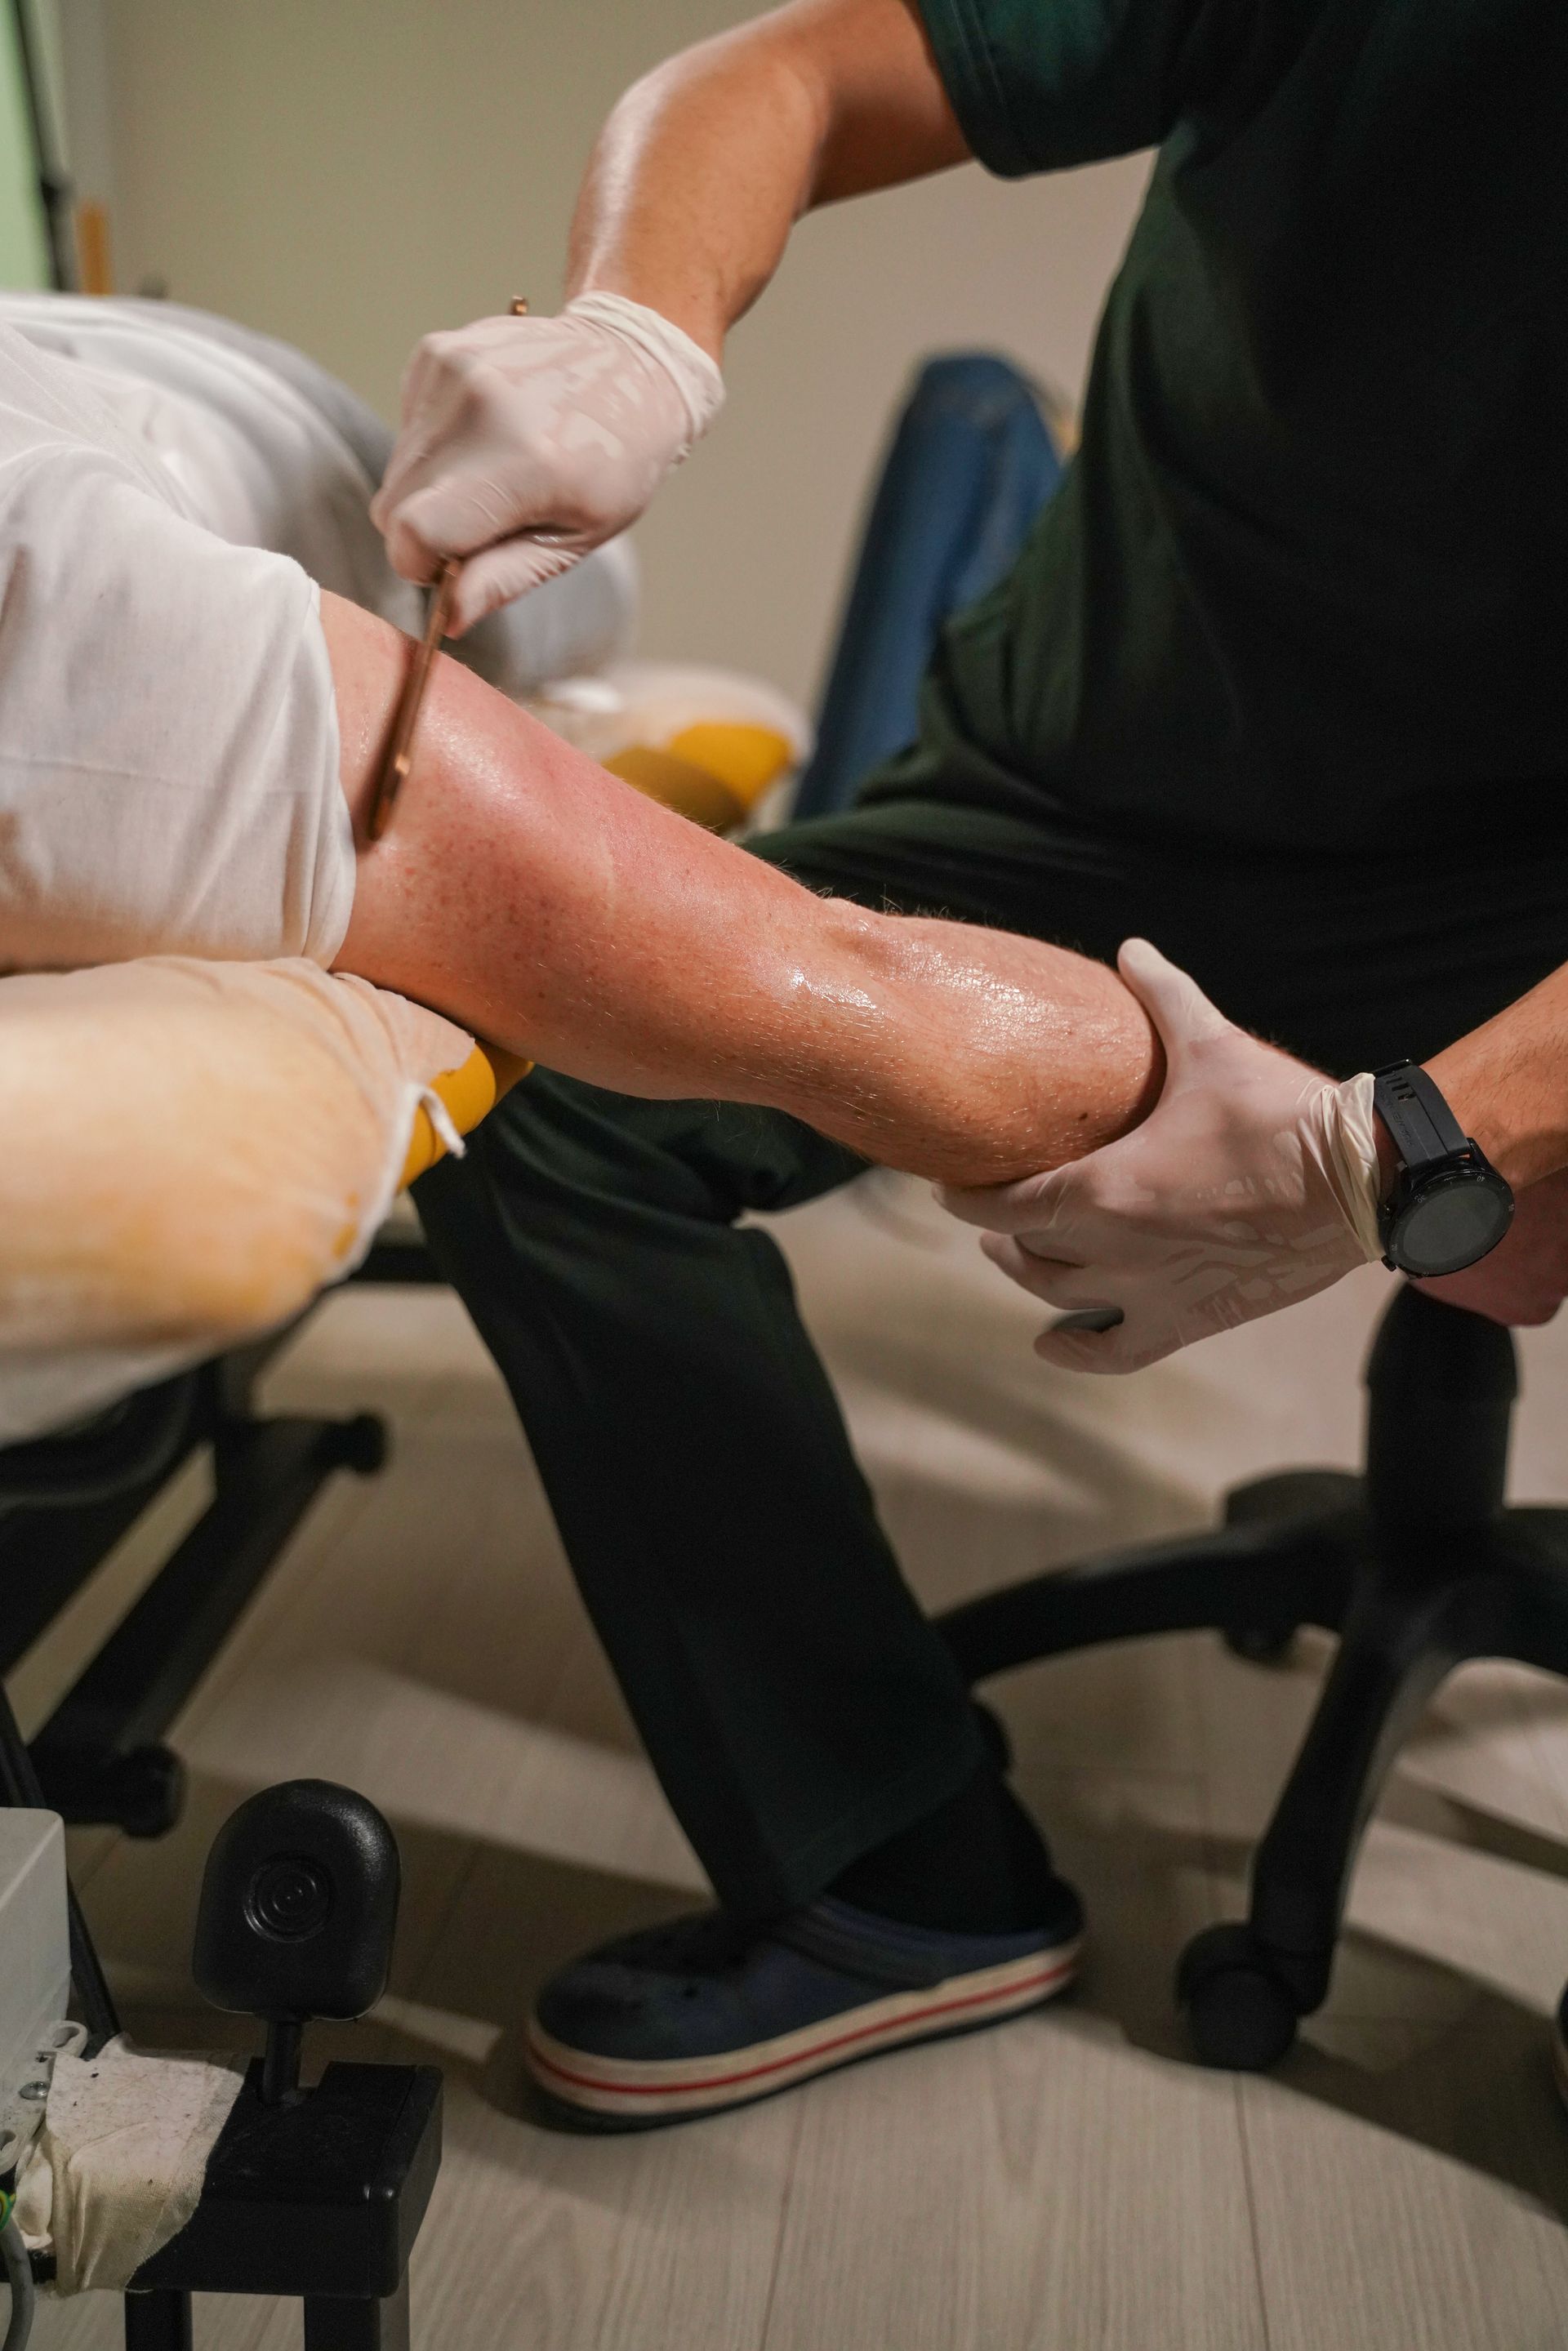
<point x="1448" y="1205"/>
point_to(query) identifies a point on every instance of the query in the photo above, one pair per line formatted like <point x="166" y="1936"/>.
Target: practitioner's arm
<point x="527" y="893"/>
<point x="525" y="442"/>
<point x="705" y="166"/>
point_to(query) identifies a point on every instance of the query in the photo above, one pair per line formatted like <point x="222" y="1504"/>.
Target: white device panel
<point x="34" y="1963"/>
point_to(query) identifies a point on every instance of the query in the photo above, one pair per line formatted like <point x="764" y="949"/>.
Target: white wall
<point x="350" y="172"/>
<point x="87" y="110"/>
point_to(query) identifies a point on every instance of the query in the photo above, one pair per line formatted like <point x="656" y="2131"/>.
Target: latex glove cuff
<point x="1338" y="1128"/>
<point x="694" y="376"/>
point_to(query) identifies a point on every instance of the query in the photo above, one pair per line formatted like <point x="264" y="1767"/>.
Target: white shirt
<point x="256" y="458"/>
<point x="168" y="730"/>
<point x="246" y="452"/>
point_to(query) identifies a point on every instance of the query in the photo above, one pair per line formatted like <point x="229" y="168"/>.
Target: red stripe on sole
<point x="972" y="2004"/>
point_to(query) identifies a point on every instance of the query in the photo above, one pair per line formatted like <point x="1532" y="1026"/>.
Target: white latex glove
<point x="1253" y="1183"/>
<point x="525" y="442"/>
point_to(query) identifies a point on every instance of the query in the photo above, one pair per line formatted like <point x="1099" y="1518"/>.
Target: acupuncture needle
<point x="400" y="748"/>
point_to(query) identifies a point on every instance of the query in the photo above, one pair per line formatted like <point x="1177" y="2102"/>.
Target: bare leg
<point x="528" y="895"/>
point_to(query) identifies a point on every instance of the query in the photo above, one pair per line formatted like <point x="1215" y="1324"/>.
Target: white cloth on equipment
<point x="168" y="730"/>
<point x="117" y="2170"/>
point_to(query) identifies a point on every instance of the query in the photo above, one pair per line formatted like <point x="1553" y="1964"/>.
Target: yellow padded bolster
<point x="713" y="772"/>
<point x="467" y="1094"/>
<point x="746" y="756"/>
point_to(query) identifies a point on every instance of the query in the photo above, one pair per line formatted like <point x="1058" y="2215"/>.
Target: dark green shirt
<point x="1307" y="582"/>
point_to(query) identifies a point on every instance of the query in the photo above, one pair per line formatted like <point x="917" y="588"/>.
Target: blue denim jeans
<point x="970" y="466"/>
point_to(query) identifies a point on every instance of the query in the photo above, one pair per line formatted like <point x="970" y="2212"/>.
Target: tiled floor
<point x="1071" y="2183"/>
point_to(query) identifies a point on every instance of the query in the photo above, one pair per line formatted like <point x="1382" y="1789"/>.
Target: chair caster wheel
<point x="1260" y="1644"/>
<point x="363" y="1444"/>
<point x="1240" y="2013"/>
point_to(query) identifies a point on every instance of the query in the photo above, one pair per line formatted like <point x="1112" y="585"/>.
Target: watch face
<point x="1457" y="1220"/>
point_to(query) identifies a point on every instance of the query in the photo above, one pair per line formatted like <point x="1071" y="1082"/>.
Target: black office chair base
<point x="1417" y="1565"/>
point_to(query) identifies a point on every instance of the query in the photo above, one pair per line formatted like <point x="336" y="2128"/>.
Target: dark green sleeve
<point x="1040" y="84"/>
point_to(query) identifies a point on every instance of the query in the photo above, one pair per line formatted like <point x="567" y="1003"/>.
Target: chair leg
<point x="158" y="2322"/>
<point x="1534" y="1547"/>
<point x="1212" y="1579"/>
<point x="1244" y="1987"/>
<point x="333" y="2323"/>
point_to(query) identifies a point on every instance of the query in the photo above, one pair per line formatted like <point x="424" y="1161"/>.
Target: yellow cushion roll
<point x="467" y="1094"/>
<point x="704" y="741"/>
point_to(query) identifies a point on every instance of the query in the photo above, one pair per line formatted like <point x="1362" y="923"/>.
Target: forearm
<point x="1507" y="1082"/>
<point x="970" y="1056"/>
<point x="704" y="167"/>
<point x="528" y="895"/>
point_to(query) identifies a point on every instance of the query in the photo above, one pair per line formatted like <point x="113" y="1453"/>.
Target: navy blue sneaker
<point x="703" y="2014"/>
<point x="1559" y="2046"/>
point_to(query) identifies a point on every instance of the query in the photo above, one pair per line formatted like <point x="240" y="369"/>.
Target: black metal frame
<point x="66" y="1501"/>
<point x="1417" y="1565"/>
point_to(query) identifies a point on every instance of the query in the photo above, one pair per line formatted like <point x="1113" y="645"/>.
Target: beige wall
<point x="350" y="172"/>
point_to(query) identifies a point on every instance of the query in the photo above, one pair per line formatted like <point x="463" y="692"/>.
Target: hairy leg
<point x="524" y="892"/>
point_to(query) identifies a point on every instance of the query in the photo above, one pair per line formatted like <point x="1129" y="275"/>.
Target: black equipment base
<point x="321" y="2197"/>
<point x="1415" y="1566"/>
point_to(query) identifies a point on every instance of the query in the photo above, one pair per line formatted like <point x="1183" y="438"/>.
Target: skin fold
<point x="552" y="910"/>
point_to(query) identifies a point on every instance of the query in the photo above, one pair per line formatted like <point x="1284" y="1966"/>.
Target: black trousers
<point x="795" y="1703"/>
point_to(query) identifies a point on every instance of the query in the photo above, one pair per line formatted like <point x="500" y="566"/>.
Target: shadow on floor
<point x="1469" y="2078"/>
<point x="1464" y="2072"/>
<point x="1479" y="2090"/>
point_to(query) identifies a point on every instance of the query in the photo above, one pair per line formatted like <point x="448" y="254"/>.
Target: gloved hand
<point x="1253" y="1183"/>
<point x="527" y="442"/>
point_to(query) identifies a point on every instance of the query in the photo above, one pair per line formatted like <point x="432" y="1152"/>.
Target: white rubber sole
<point x="642" y="2090"/>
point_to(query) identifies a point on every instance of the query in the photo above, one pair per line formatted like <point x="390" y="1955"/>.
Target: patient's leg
<point x="530" y="895"/>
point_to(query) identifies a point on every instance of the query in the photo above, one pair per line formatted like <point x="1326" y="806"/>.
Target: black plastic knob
<point x="298" y="1904"/>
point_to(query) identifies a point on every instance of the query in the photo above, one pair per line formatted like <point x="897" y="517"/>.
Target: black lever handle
<point x="298" y="1912"/>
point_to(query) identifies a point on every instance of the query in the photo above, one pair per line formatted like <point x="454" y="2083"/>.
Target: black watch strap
<point x="1423" y="1127"/>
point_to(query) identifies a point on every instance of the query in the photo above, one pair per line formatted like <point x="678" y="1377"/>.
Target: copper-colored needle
<point x="400" y="748"/>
